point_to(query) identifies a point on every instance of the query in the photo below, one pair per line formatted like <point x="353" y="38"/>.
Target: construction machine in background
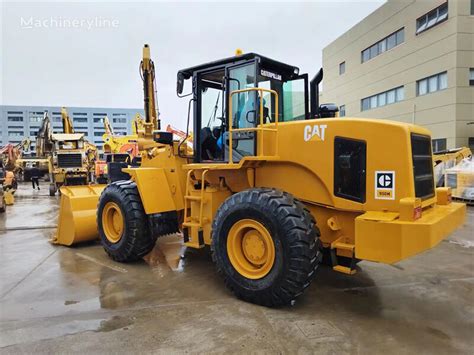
<point x="270" y="186"/>
<point x="447" y="159"/>
<point x="11" y="153"/>
<point x="72" y="157"/>
<point x="119" y="150"/>
<point x="42" y="159"/>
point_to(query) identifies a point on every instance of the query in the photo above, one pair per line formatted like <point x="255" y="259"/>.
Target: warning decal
<point x="385" y="185"/>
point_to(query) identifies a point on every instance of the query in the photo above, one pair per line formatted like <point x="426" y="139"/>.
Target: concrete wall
<point x="447" y="46"/>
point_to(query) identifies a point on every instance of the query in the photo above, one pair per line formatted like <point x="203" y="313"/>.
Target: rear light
<point x="410" y="209"/>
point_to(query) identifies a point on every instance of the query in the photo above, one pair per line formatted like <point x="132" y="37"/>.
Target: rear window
<point x="350" y="169"/>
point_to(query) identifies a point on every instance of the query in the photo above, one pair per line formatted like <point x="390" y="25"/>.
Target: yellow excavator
<point x="273" y="186"/>
<point x="447" y="159"/>
<point x="119" y="150"/>
<point x="42" y="158"/>
<point x="72" y="157"/>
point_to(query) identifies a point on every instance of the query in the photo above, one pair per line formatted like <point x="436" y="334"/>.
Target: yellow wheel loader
<point x="72" y="157"/>
<point x="273" y="187"/>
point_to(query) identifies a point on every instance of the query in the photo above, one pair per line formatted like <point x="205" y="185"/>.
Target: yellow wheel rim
<point x="112" y="222"/>
<point x="250" y="249"/>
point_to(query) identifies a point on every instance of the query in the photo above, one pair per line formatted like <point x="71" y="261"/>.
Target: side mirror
<point x="180" y="83"/>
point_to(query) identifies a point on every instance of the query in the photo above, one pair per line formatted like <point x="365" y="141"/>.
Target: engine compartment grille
<point x="422" y="165"/>
<point x="70" y="160"/>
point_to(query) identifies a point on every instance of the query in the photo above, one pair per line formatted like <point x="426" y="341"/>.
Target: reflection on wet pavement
<point x="63" y="300"/>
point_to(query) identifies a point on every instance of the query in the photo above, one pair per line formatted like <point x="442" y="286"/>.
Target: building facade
<point x="19" y="122"/>
<point x="410" y="61"/>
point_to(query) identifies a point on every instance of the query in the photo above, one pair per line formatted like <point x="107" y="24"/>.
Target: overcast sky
<point x="87" y="54"/>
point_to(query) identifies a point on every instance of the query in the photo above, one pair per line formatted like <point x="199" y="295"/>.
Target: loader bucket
<point x="77" y="214"/>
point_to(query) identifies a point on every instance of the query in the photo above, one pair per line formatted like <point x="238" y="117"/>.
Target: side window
<point x="350" y="169"/>
<point x="294" y="100"/>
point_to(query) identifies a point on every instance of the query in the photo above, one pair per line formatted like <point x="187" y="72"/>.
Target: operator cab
<point x="227" y="90"/>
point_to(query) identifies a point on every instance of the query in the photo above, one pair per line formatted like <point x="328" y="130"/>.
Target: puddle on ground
<point x="167" y="254"/>
<point x="463" y="243"/>
<point x="67" y="303"/>
<point x="114" y="323"/>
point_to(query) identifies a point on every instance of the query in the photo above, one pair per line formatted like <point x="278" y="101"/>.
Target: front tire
<point x="123" y="225"/>
<point x="266" y="246"/>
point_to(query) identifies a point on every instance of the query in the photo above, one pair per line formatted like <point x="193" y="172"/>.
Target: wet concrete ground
<point x="68" y="300"/>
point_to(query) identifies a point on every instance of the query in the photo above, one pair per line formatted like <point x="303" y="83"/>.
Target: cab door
<point x="243" y="109"/>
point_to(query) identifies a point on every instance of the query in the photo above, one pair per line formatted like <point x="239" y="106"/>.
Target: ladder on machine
<point x="193" y="223"/>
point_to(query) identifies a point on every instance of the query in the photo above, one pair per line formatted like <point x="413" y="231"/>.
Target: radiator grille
<point x="422" y="166"/>
<point x="70" y="160"/>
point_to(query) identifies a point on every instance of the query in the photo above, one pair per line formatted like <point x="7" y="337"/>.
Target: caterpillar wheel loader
<point x="72" y="157"/>
<point x="271" y="186"/>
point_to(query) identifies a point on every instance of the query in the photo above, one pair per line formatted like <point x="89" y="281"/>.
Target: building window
<point x="99" y="134"/>
<point x="342" y="110"/>
<point x="15" y="118"/>
<point x="33" y="133"/>
<point x="15" y="133"/>
<point x="432" y="83"/>
<point x="100" y="114"/>
<point x="432" y="18"/>
<point x="342" y="68"/>
<point x="438" y="145"/>
<point x="471" y="75"/>
<point x="120" y="120"/>
<point x="98" y="120"/>
<point x="79" y="113"/>
<point x="120" y="114"/>
<point x="80" y="119"/>
<point x="383" y="45"/>
<point x="382" y="99"/>
<point x="36" y="118"/>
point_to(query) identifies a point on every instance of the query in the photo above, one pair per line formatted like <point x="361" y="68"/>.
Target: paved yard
<point x="62" y="300"/>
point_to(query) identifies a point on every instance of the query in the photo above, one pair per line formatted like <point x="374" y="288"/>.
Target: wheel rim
<point x="112" y="222"/>
<point x="250" y="249"/>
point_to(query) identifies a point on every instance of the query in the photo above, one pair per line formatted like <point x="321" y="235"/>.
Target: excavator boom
<point x="147" y="69"/>
<point x="68" y="127"/>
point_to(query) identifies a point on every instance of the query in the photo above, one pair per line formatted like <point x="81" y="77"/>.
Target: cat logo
<point x="315" y="132"/>
<point x="385" y="185"/>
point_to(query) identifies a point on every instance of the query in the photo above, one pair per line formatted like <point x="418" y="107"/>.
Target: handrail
<point x="259" y="128"/>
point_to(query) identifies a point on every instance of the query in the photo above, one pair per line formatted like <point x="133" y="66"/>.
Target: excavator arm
<point x="68" y="127"/>
<point x="108" y="127"/>
<point x="44" y="143"/>
<point x="147" y="70"/>
<point x="138" y="124"/>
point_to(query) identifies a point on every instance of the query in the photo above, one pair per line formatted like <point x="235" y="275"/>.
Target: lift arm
<point x="68" y="127"/>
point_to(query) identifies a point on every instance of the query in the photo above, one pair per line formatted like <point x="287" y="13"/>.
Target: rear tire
<point x="135" y="239"/>
<point x="295" y="237"/>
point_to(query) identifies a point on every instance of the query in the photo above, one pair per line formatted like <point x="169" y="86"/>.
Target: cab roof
<point x="286" y="70"/>
<point x="67" y="136"/>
